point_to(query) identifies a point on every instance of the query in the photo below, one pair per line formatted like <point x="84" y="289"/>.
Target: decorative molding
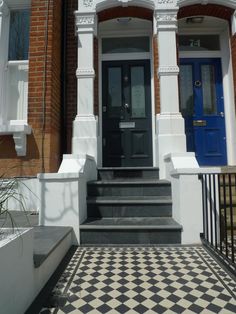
<point x="88" y="3"/>
<point x="4" y="10"/>
<point x="20" y="143"/>
<point x="166" y="19"/>
<point x="85" y="73"/>
<point x="165" y="2"/>
<point x="168" y="70"/>
<point x="124" y="3"/>
<point x="85" y="22"/>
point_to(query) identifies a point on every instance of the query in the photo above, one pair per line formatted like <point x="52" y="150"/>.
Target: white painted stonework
<point x="175" y="164"/>
<point x="13" y="84"/>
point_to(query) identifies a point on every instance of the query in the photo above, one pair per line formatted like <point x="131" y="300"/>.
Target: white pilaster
<point x="169" y="123"/>
<point x="4" y="35"/>
<point x="85" y="124"/>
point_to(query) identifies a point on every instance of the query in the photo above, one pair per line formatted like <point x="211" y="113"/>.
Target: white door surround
<point x="169" y="135"/>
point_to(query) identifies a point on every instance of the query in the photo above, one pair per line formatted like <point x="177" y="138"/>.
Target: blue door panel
<point x="205" y="125"/>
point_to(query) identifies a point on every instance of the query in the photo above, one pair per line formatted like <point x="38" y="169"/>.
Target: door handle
<point x="126" y="106"/>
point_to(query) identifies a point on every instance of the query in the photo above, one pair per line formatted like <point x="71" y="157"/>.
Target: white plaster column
<point x="84" y="139"/>
<point x="169" y="123"/>
<point x="4" y="37"/>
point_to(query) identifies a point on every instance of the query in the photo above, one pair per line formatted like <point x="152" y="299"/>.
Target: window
<point x="125" y="44"/>
<point x="14" y="47"/>
<point x="199" y="43"/>
<point x="19" y="35"/>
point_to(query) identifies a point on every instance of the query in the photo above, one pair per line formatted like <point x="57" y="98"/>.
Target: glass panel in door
<point x="209" y="89"/>
<point x="137" y="92"/>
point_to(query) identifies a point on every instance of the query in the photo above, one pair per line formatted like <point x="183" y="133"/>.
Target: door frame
<point x="227" y="81"/>
<point x="126" y="57"/>
<point x="199" y="107"/>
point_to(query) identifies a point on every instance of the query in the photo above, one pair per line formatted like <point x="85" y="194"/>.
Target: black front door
<point x="126" y="106"/>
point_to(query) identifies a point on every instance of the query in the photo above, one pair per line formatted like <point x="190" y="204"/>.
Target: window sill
<point x="19" y="129"/>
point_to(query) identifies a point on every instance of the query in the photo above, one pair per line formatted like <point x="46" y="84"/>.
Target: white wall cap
<point x="195" y="171"/>
<point x="184" y="154"/>
<point x="58" y="176"/>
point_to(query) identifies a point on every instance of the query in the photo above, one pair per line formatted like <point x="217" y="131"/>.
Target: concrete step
<point x="133" y="230"/>
<point x="128" y="172"/>
<point x="115" y="206"/>
<point x="135" y="187"/>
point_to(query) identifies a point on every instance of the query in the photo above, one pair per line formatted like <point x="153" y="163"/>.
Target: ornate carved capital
<point x="168" y="70"/>
<point x="4" y="11"/>
<point x="166" y="19"/>
<point x="85" y="22"/>
<point x="85" y="73"/>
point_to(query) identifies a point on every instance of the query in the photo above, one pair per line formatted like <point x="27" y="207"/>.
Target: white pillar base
<point x="84" y="141"/>
<point x="170" y="137"/>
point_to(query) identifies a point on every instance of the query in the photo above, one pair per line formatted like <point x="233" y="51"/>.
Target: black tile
<point x="140" y="309"/>
<point x="104" y="308"/>
<point x="177" y="309"/>
<point x="122" y="298"/>
<point x="196" y="308"/>
<point x="214" y="308"/>
<point x="159" y="309"/>
<point x="122" y="309"/>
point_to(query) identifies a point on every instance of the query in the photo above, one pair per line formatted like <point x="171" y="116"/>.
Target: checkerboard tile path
<point x="144" y="280"/>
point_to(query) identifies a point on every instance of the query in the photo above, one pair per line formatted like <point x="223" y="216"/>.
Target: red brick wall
<point x="156" y="79"/>
<point x="125" y="12"/>
<point x="43" y="146"/>
<point x="209" y="10"/>
<point x="71" y="66"/>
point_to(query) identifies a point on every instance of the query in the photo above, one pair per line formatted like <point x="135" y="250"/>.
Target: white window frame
<point x="19" y="127"/>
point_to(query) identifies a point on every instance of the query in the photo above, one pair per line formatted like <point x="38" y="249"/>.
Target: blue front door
<point x="202" y="106"/>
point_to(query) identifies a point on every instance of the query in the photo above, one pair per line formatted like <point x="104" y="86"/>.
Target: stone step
<point x="128" y="172"/>
<point x="129" y="206"/>
<point x="129" y="188"/>
<point x="127" y="231"/>
<point x="47" y="240"/>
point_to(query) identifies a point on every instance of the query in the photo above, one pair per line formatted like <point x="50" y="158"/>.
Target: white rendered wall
<point x="20" y="280"/>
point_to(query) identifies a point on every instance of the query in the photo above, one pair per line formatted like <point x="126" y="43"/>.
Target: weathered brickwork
<point x="71" y="66"/>
<point x="43" y="145"/>
<point x="208" y="10"/>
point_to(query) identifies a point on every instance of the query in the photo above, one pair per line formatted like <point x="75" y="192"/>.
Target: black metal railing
<point x="219" y="215"/>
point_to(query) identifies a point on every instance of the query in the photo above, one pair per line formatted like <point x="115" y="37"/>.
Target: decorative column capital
<point x="4" y="11"/>
<point x="85" y="22"/>
<point x="166" y="14"/>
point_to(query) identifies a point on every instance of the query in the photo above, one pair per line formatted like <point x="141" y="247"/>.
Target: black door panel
<point x="127" y="131"/>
